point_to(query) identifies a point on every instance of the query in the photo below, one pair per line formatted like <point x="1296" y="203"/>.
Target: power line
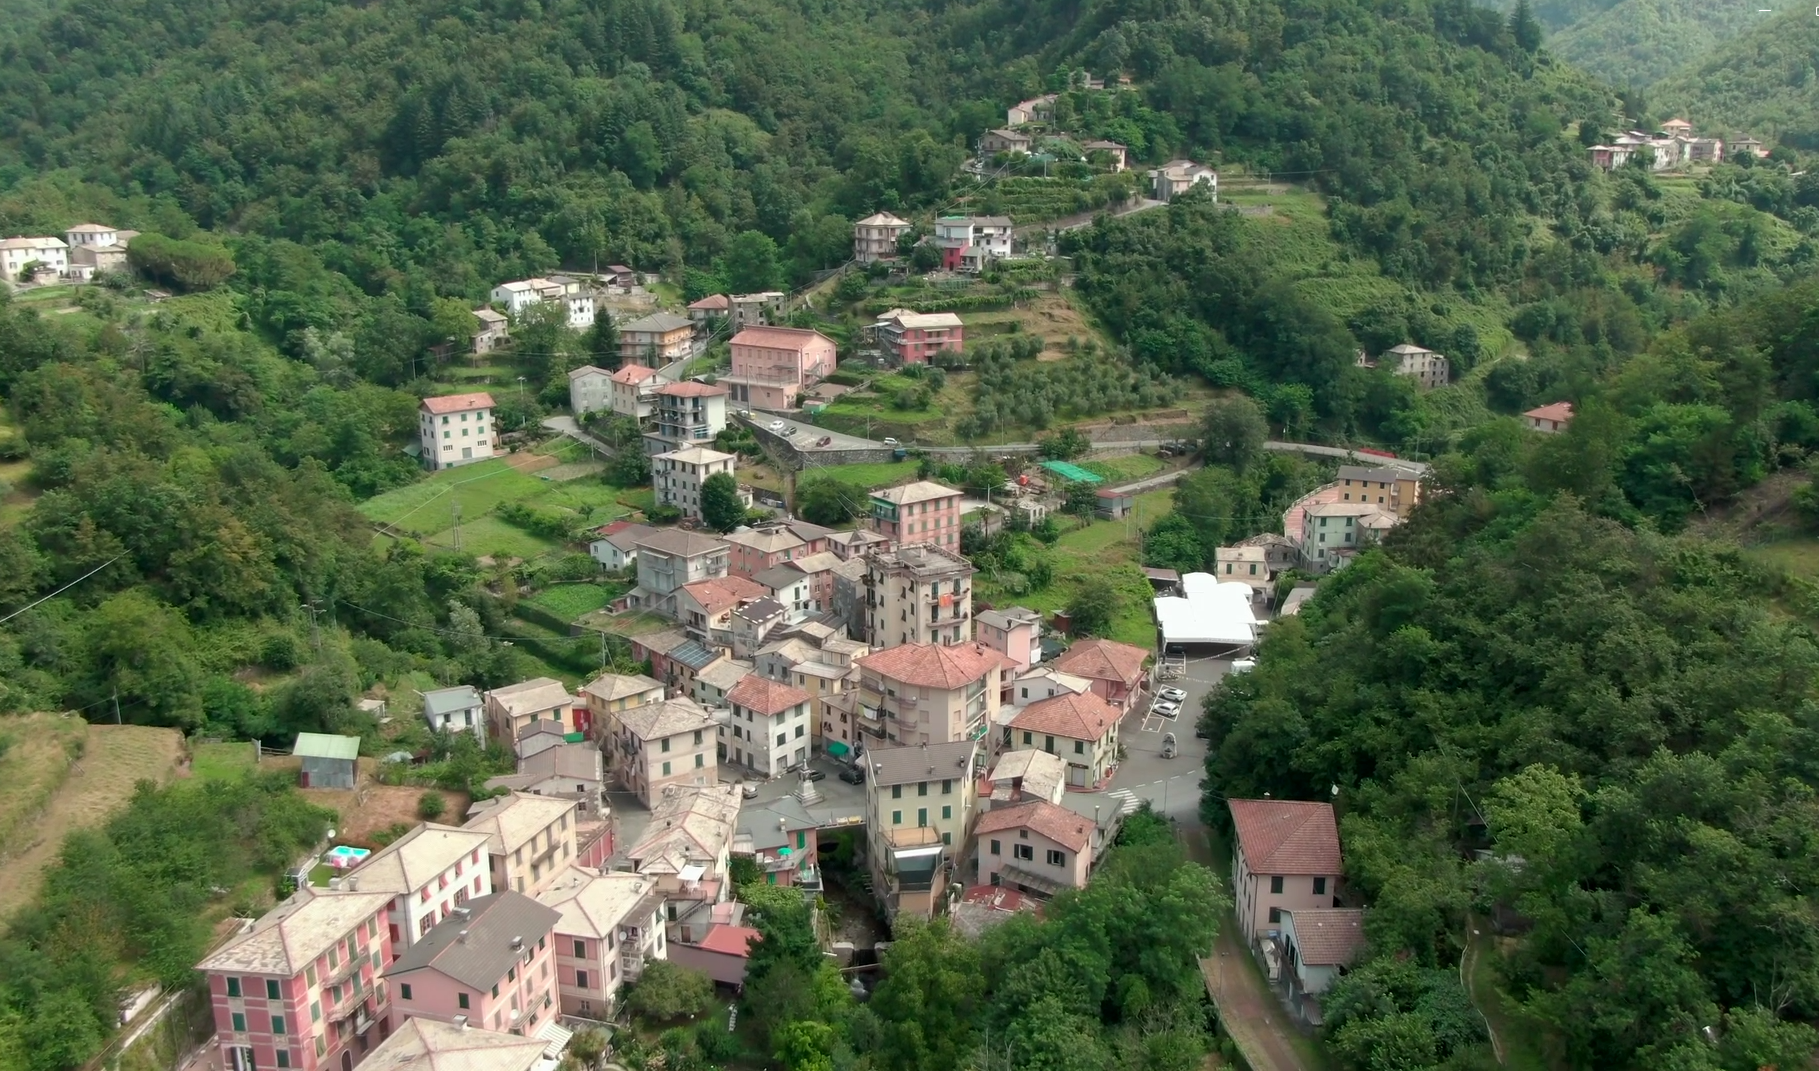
<point x="64" y="588"/>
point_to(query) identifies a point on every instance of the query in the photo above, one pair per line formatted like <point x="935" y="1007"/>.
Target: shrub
<point x="668" y="991"/>
<point x="431" y="806"/>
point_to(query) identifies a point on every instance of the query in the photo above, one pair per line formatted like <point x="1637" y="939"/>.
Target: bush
<point x="669" y="991"/>
<point x="431" y="806"/>
<point x="184" y="265"/>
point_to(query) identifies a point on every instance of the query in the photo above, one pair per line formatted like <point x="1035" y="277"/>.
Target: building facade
<point x="916" y="337"/>
<point x="589" y="389"/>
<point x="656" y="340"/>
<point x="609" y="925"/>
<point x="770" y="725"/>
<point x="529" y="838"/>
<point x="919" y="803"/>
<point x="1035" y="847"/>
<point x="1285" y="857"/>
<point x="678" y="475"/>
<point x="456" y="429"/>
<point x="1082" y="730"/>
<point x="920" y="512"/>
<point x="688" y="413"/>
<point x="918" y="594"/>
<point x="773" y="365"/>
<point x="914" y="694"/>
<point x="634" y="391"/>
<point x="491" y="964"/>
<point x="669" y="743"/>
<point x="875" y="237"/>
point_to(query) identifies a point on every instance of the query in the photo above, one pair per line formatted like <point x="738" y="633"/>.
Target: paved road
<point x="565" y="425"/>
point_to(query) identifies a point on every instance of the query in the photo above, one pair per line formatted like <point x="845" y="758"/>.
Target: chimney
<point x="461" y="938"/>
<point x="353" y="884"/>
<point x="517" y="944"/>
<point x="462" y="913"/>
<point x="334" y="883"/>
<point x="461" y="1022"/>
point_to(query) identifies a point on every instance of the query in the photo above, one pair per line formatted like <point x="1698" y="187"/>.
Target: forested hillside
<point x="1637" y="42"/>
<point x="1762" y="82"/>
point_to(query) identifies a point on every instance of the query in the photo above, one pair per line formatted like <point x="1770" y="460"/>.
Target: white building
<point x="770" y="722"/>
<point x="589" y="388"/>
<point x="633" y="389"/>
<point x="455" y="710"/>
<point x="429" y="871"/>
<point x="577" y="299"/>
<point x="92" y="234"/>
<point x="456" y="429"/>
<point x="16" y="253"/>
<point x="969" y="243"/>
<point x="1176" y="177"/>
<point x="679" y="474"/>
<point x="875" y="237"/>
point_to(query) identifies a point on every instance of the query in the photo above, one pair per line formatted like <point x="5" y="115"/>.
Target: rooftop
<point x="781" y="576"/>
<point x="760" y="609"/>
<point x="594" y="904"/>
<point x="729" y="940"/>
<point x="1104" y="660"/>
<point x="626" y="539"/>
<point x="324" y="746"/>
<point x="588" y="370"/>
<point x="633" y="374"/>
<point x="1552" y="411"/>
<point x="510" y="821"/>
<point x="1058" y="824"/>
<point x="1343" y="509"/>
<point x="654" y="721"/>
<point x="695" y="455"/>
<point x="1376" y="473"/>
<point x="1083" y="716"/>
<point x="724" y="672"/>
<point x="766" y="540"/>
<point x="931" y="665"/>
<point x="911" y="493"/>
<point x="922" y="320"/>
<point x="527" y="697"/>
<point x="779" y="338"/>
<point x="882" y="219"/>
<point x="429" y="1045"/>
<point x="922" y="762"/>
<point x="443" y="700"/>
<point x="765" y="696"/>
<point x="612" y="686"/>
<point x="1287" y="836"/>
<point x="690" y="388"/>
<point x="458" y="403"/>
<point x="924" y="561"/>
<point x="294" y="934"/>
<point x="568" y="762"/>
<point x="1328" y="936"/>
<point x="689" y="824"/>
<point x="676" y="541"/>
<point x="661" y="323"/>
<point x="712" y="303"/>
<point x="418" y="858"/>
<point x="718" y="594"/>
<point x="1038" y="771"/>
<point x="480" y="940"/>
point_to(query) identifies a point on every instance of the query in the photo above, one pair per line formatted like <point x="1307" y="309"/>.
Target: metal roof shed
<point x="1070" y="471"/>
<point x="326" y="761"/>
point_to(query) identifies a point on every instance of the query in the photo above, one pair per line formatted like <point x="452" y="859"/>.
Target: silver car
<point x="1173" y="695"/>
<point x="1165" y="708"/>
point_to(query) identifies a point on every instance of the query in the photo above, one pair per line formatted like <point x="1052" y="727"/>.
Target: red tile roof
<point x="690" y="389"/>
<point x="712" y="301"/>
<point x="1106" y="660"/>
<point x="930" y="665"/>
<point x="730" y="940"/>
<point x="458" y="403"/>
<point x="1077" y="717"/>
<point x="1556" y="411"/>
<point x="1328" y="936"/>
<point x="1287" y="836"/>
<point x="765" y="696"/>
<point x="633" y="373"/>
<point x="1058" y="824"/>
<point x="779" y="338"/>
<point x="723" y="592"/>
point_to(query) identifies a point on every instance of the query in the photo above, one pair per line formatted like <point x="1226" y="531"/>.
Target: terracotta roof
<point x="930" y="665"/>
<point x="458" y="403"/>
<point x="712" y="302"/>
<point x="290" y="936"/>
<point x="765" y="696"/>
<point x="90" y="228"/>
<point x="723" y="592"/>
<point x="1058" y="824"/>
<point x="1328" y="936"/>
<point x="633" y="374"/>
<point x="779" y="338"/>
<point x="729" y="940"/>
<point x="1555" y="411"/>
<point x="691" y="389"/>
<point x="1077" y="717"/>
<point x="1106" y="660"/>
<point x="1287" y="836"/>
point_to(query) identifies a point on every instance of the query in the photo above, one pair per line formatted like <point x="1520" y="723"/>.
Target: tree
<point x="1092" y="608"/>
<point x="1064" y="445"/>
<point x="186" y="265"/>
<point x="823" y="499"/>
<point x="1082" y="498"/>
<point x="1524" y="28"/>
<point x="721" y="508"/>
<point x="1233" y="432"/>
<point x="667" y="991"/>
<point x="750" y="264"/>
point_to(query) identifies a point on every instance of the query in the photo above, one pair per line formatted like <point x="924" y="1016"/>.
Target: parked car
<point x="1243" y="665"/>
<point x="748" y="790"/>
<point x="888" y="441"/>
<point x="1166" y="709"/>
<point x="792" y="430"/>
<point x="853" y="775"/>
<point x="776" y="425"/>
<point x="1173" y="695"/>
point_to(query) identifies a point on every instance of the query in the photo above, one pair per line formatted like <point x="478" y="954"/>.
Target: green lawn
<point x="425" y="506"/>
<point x="228" y="761"/>
<point x="1127" y="469"/>
<point x="868" y="477"/>
<point x="1105" y="549"/>
<point x="485" y="535"/>
<point x="569" y="601"/>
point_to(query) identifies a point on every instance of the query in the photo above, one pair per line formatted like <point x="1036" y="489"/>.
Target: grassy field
<point x="1127" y="469"/>
<point x="1103" y="549"/>
<point x="114" y="759"/>
<point x="492" y="537"/>
<point x="1797" y="557"/>
<point x="226" y="761"/>
<point x="569" y="601"/>
<point x="425" y="506"/>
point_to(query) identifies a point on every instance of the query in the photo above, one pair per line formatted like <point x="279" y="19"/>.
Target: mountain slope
<point x="1765" y="82"/>
<point x="1636" y="42"/>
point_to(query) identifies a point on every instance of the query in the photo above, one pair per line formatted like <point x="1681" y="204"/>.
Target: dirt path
<point x="100" y="782"/>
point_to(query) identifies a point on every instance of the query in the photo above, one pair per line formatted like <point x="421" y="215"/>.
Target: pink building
<point x="428" y="872"/>
<point x="921" y="512"/>
<point x="773" y="365"/>
<point x="915" y="337"/>
<point x="1034" y="847"/>
<point x="1014" y="632"/>
<point x="1286" y="859"/>
<point x="491" y="963"/>
<point x="753" y="550"/>
<point x="1116" y="669"/>
<point x="301" y="988"/>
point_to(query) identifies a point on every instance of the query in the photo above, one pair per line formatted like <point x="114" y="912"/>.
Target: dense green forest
<point x="1761" y="82"/>
<point x="1635" y="43"/>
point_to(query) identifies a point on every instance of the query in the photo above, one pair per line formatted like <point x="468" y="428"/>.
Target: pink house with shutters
<point x="773" y="365"/>
<point x="301" y="988"/>
<point x="492" y="964"/>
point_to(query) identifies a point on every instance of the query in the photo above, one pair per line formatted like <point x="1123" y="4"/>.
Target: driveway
<point x="565" y="425"/>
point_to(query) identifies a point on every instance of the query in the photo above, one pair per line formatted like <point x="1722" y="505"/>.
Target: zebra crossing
<point x="1128" y="801"/>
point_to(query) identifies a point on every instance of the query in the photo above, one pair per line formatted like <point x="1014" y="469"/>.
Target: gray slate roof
<point x="760" y="609"/>
<point x="448" y="700"/>
<point x="693" y="654"/>
<point x="658" y="321"/>
<point x="930" y="762"/>
<point x="482" y="959"/>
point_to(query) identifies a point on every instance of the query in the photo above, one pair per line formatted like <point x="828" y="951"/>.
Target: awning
<point x="837" y="749"/>
<point x="1043" y="884"/>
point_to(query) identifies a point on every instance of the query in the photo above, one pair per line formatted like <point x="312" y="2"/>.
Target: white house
<point x="16" y="253"/>
<point x="771" y="719"/>
<point x="679" y="474"/>
<point x="455" y="710"/>
<point x="589" y="388"/>
<point x="94" y="234"/>
<point x="429" y="871"/>
<point x="456" y="429"/>
<point x="577" y="299"/>
<point x="1176" y="177"/>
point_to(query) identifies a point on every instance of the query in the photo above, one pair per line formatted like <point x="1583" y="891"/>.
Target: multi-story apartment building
<point x="666" y="743"/>
<point x="1082" y="730"/>
<point x="824" y="667"/>
<point x="589" y="389"/>
<point x="706" y="607"/>
<point x="610" y="924"/>
<point x="678" y="475"/>
<point x="1014" y="632"/>
<point x="1176" y="177"/>
<point x="430" y="1044"/>
<point x="686" y="414"/>
<point x="689" y="840"/>
<point x="610" y="694"/>
<point x="970" y="243"/>
<point x="773" y="365"/>
<point x="634" y="391"/>
<point x="575" y="297"/>
<point x="300" y="989"/>
<point x="919" y="804"/>
<point x="770" y="725"/>
<point x="920" y="693"/>
<point x="456" y="429"/>
<point x="1424" y="366"/>
<point x="915" y="337"/>
<point x="1333" y="532"/>
<point x="918" y="594"/>
<point x="528" y="839"/>
<point x="1388" y="487"/>
<point x="495" y="330"/>
<point x="875" y="237"/>
<point x="1035" y="847"/>
<point x="491" y="964"/>
<point x="429" y="872"/>
<point x="753" y="550"/>
<point x="669" y="558"/>
<point x="1285" y="857"/>
<point x="656" y="340"/>
<point x="920" y="512"/>
<point x="514" y="708"/>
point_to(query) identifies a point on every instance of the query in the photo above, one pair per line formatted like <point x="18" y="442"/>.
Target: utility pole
<point x="116" y="706"/>
<point x="455" y="509"/>
<point x="315" y="630"/>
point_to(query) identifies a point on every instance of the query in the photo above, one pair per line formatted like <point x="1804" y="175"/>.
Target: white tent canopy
<point x="1210" y="614"/>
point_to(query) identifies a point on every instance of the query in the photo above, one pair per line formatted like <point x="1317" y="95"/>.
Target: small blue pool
<point x="343" y="856"/>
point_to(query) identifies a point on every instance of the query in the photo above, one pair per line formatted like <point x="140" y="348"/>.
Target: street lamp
<point x="520" y="403"/>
